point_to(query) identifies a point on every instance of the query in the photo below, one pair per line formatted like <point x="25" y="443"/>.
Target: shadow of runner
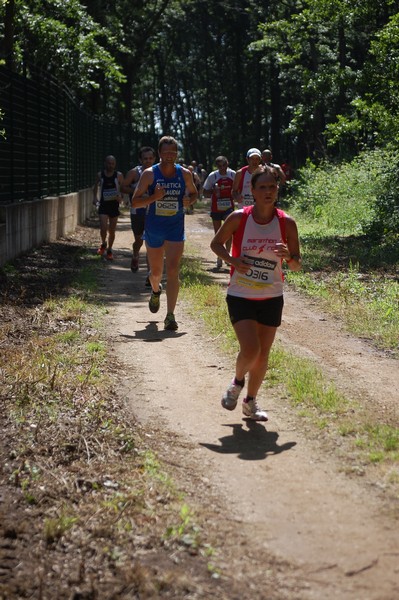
<point x="254" y="443"/>
<point x="151" y="333"/>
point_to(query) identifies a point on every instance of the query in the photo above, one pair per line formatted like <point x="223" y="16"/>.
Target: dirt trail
<point x="278" y="486"/>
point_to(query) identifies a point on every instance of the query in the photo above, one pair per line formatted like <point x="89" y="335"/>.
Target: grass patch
<point x="307" y="387"/>
<point x="368" y="305"/>
<point x="207" y="301"/>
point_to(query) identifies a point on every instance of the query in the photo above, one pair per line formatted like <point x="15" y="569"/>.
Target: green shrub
<point x="353" y="198"/>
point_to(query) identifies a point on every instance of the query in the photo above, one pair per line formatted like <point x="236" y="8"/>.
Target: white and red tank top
<point x="224" y="200"/>
<point x="255" y="243"/>
<point x="245" y="188"/>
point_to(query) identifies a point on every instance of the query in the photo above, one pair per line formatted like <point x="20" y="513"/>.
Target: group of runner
<point x="253" y="240"/>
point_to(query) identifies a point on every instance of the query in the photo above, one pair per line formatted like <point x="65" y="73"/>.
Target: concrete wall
<point x="26" y="225"/>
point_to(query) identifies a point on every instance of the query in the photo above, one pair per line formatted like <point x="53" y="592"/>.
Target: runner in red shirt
<point x="219" y="187"/>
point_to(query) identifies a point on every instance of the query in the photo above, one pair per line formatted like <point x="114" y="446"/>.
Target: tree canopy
<point x="309" y="78"/>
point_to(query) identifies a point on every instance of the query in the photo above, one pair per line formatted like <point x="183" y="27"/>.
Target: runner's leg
<point x="155" y="259"/>
<point x="257" y="372"/>
<point x="111" y="231"/>
<point x="103" y="228"/>
<point x="255" y="342"/>
<point x="173" y="254"/>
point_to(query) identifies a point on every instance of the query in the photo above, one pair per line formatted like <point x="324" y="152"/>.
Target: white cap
<point x="254" y="152"/>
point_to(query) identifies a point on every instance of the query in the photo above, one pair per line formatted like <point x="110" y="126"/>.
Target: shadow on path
<point x="151" y="333"/>
<point x="254" y="443"/>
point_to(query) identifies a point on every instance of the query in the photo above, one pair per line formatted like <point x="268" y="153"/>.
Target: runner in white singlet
<point x="242" y="193"/>
<point x="263" y="236"/>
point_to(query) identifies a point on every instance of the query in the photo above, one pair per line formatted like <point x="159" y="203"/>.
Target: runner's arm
<point x="226" y="231"/>
<point x="132" y="177"/>
<point x="237" y="196"/>
<point x="140" y="199"/>
<point x="207" y="188"/>
<point x="281" y="174"/>
<point x="290" y="251"/>
<point x="120" y="182"/>
<point x="95" y="187"/>
<point x="192" y="196"/>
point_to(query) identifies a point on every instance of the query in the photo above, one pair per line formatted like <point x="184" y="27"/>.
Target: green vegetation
<point x="326" y="70"/>
<point x="348" y="217"/>
<point x="368" y="306"/>
<point x="353" y="199"/>
<point x="55" y="528"/>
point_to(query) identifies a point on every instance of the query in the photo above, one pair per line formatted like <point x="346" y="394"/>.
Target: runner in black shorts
<point x="107" y="194"/>
<point x="137" y="215"/>
<point x="263" y="236"/>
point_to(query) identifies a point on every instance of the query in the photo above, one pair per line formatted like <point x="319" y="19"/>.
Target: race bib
<point x="223" y="204"/>
<point x="110" y="194"/>
<point x="260" y="273"/>
<point x="247" y="200"/>
<point x="166" y="208"/>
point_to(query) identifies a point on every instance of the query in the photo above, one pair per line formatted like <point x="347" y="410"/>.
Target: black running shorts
<point x="137" y="222"/>
<point x="265" y="312"/>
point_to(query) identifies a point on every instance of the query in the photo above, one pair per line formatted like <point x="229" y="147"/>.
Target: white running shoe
<point x="230" y="396"/>
<point x="251" y="409"/>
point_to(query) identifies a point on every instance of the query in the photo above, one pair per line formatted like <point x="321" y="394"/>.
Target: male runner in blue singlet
<point x="165" y="189"/>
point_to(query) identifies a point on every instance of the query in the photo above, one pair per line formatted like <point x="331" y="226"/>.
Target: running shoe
<point x="134" y="265"/>
<point x="109" y="255"/>
<point x="251" y="409"/>
<point x="170" y="322"/>
<point x="102" y="249"/>
<point x="154" y="301"/>
<point x="230" y="397"/>
<point x="219" y="263"/>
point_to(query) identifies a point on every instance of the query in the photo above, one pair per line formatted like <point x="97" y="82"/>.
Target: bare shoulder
<point x="237" y="179"/>
<point x="131" y="176"/>
<point x="291" y="225"/>
<point x="147" y="175"/>
<point x="149" y="172"/>
<point x="234" y="219"/>
<point x="187" y="174"/>
<point x="289" y="219"/>
<point x="185" y="171"/>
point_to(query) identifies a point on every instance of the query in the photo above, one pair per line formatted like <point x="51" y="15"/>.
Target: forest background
<point x="312" y="79"/>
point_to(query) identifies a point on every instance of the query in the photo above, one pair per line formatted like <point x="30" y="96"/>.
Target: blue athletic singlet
<point x="165" y="218"/>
